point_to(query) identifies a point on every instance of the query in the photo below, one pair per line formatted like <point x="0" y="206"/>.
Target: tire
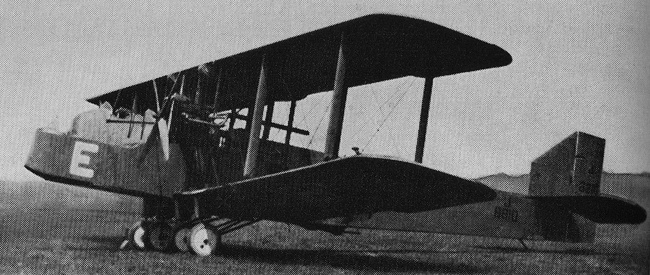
<point x="160" y="236"/>
<point x="181" y="239"/>
<point x="202" y="240"/>
<point x="137" y="234"/>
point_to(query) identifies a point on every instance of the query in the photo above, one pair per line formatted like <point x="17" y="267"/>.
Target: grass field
<point x="52" y="229"/>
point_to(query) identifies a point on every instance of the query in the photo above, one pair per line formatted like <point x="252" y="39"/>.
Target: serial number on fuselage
<point x="506" y="213"/>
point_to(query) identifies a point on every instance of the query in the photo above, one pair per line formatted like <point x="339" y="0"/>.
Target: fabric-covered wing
<point x="378" y="47"/>
<point x="339" y="188"/>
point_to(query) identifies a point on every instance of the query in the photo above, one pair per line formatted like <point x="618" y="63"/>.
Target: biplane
<point x="195" y="146"/>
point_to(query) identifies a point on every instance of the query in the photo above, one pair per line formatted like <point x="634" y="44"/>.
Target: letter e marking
<point x="78" y="159"/>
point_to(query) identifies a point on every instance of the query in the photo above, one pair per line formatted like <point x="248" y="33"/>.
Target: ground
<point x="82" y="234"/>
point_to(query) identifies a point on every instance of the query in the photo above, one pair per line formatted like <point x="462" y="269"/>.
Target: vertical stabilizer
<point x="571" y="168"/>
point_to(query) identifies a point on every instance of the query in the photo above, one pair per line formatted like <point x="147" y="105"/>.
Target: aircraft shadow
<point x="233" y="250"/>
<point x="567" y="251"/>
<point x="361" y="260"/>
<point x="351" y="259"/>
<point x="101" y="243"/>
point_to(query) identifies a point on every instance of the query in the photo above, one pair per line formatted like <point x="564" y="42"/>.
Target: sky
<point x="577" y="66"/>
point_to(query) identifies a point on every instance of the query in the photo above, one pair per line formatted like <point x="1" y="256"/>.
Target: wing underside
<point x="371" y="192"/>
<point x="379" y="47"/>
<point x="341" y="188"/>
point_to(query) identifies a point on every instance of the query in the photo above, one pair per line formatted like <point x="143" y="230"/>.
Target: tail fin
<point x="571" y="168"/>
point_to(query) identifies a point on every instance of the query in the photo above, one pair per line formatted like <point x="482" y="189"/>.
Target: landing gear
<point x="181" y="239"/>
<point x="136" y="236"/>
<point x="184" y="231"/>
<point x="199" y="236"/>
<point x="203" y="240"/>
<point x="160" y="236"/>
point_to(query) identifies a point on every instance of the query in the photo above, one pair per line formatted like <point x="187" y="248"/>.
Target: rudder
<point x="573" y="167"/>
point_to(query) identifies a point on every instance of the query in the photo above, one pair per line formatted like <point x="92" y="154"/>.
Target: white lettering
<point x="78" y="158"/>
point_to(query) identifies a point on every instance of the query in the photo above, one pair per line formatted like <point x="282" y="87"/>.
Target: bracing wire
<point x="311" y="109"/>
<point x="318" y="125"/>
<point x="389" y="114"/>
<point x="365" y="123"/>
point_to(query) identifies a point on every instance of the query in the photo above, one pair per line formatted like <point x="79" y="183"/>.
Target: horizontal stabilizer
<point x="599" y="209"/>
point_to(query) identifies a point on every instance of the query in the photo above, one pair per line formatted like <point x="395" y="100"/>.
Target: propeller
<point x="161" y="128"/>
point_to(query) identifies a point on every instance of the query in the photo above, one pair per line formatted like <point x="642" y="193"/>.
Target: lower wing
<point x="341" y="188"/>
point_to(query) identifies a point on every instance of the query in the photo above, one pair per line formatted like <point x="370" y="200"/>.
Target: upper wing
<point x="341" y="188"/>
<point x="379" y="47"/>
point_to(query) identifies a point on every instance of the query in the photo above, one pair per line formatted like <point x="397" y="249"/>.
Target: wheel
<point x="160" y="236"/>
<point x="202" y="240"/>
<point x="136" y="235"/>
<point x="181" y="239"/>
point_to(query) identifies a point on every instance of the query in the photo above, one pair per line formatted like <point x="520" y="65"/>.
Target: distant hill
<point x="635" y="187"/>
<point x="505" y="182"/>
<point x="51" y="195"/>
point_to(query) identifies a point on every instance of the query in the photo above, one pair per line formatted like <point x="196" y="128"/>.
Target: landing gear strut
<point x="201" y="239"/>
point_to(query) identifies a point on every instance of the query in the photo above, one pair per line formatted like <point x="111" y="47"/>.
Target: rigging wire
<point x="389" y="114"/>
<point x="396" y="149"/>
<point x="365" y="123"/>
<point x="372" y="90"/>
<point x="312" y="108"/>
<point x="296" y="125"/>
<point x="318" y="126"/>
